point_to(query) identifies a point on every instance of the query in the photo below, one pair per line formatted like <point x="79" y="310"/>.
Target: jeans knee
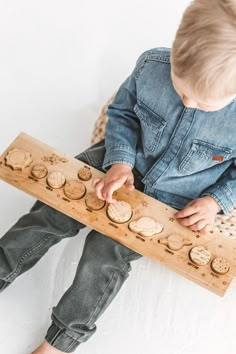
<point x="94" y="155"/>
<point x="101" y="249"/>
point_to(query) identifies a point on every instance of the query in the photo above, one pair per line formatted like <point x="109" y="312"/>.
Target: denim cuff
<point x="3" y="284"/>
<point x="223" y="196"/>
<point x="60" y="340"/>
<point x="119" y="155"/>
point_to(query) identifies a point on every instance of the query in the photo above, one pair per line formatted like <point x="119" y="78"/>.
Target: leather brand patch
<point x="218" y="158"/>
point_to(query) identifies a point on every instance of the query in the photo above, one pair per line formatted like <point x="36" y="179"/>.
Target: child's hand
<point x="118" y="175"/>
<point x="199" y="214"/>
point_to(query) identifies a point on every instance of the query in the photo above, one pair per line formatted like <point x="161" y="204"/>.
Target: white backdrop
<point x="60" y="61"/>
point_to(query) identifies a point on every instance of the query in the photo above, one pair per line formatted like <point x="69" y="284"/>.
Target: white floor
<point x="60" y="61"/>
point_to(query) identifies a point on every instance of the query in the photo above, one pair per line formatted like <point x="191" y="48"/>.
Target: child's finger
<point x="110" y="188"/>
<point x="186" y="212"/>
<point x="207" y="228"/>
<point x="95" y="182"/>
<point x="129" y="186"/>
<point x="198" y="226"/>
<point x="98" y="188"/>
<point x="129" y="183"/>
<point x="191" y="220"/>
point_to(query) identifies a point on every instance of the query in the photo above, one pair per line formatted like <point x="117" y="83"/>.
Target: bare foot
<point x="46" y="348"/>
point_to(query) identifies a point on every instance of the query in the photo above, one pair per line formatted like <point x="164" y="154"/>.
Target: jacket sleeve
<point x="123" y="128"/>
<point x="224" y="190"/>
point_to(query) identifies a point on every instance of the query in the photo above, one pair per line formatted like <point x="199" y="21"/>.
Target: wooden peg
<point x="85" y="173"/>
<point x="39" y="171"/>
<point x="93" y="202"/>
<point x="146" y="226"/>
<point x="74" y="189"/>
<point x="120" y="211"/>
<point x="200" y="255"/>
<point x="56" y="179"/>
<point x="18" y="159"/>
<point x="175" y="242"/>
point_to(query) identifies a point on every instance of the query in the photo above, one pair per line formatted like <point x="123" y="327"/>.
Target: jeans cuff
<point x="3" y="284"/>
<point x="57" y="338"/>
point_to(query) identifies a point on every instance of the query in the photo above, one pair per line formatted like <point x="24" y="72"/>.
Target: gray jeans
<point x="103" y="267"/>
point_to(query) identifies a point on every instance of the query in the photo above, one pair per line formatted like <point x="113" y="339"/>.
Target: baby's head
<point x="203" y="57"/>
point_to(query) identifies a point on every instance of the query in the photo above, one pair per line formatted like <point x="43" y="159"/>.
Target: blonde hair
<point x="204" y="49"/>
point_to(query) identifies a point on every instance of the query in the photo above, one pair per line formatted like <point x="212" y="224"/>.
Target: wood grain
<point x="39" y="171"/>
<point x="142" y="205"/>
<point x="18" y="159"/>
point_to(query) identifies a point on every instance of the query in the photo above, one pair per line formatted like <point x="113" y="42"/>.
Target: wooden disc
<point x="146" y="226"/>
<point x="119" y="211"/>
<point x="39" y="171"/>
<point x="85" y="173"/>
<point x="18" y="159"/>
<point x="199" y="255"/>
<point x="175" y="242"/>
<point x="56" y="179"/>
<point x="93" y="202"/>
<point x="220" y="265"/>
<point x="74" y="189"/>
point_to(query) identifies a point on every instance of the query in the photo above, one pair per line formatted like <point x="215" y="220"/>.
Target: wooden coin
<point x="146" y="226"/>
<point x="56" y="179"/>
<point x="119" y="211"/>
<point x="39" y="171"/>
<point x="85" y="173"/>
<point x="93" y="202"/>
<point x="74" y="189"/>
<point x="220" y="265"/>
<point x="175" y="242"/>
<point x="199" y="255"/>
<point x="18" y="159"/>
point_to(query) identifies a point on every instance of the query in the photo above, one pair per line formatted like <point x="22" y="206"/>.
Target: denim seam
<point x="120" y="147"/>
<point x="103" y="295"/>
<point x="62" y="326"/>
<point x="153" y="183"/>
<point x="139" y="69"/>
<point x="127" y="258"/>
<point x="52" y="340"/>
<point x="61" y="330"/>
<point x="91" y="161"/>
<point x="229" y="193"/>
<point x="13" y="274"/>
<point x="71" y="345"/>
<point x="220" y="202"/>
<point x="10" y="277"/>
<point x="97" y="307"/>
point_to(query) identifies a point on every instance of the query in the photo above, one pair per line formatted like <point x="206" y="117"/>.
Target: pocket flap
<point x="148" y="117"/>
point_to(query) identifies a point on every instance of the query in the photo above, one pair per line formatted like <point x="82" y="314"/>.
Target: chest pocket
<point x="152" y="126"/>
<point x="203" y="155"/>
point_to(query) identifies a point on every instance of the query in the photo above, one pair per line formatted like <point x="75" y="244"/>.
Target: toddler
<point x="171" y="135"/>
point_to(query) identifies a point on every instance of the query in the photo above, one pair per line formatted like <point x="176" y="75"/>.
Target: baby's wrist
<point x="122" y="165"/>
<point x="214" y="203"/>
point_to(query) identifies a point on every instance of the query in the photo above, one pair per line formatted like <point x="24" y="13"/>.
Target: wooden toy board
<point x="142" y="205"/>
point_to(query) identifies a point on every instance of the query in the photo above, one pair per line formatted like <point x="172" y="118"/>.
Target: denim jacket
<point x="181" y="153"/>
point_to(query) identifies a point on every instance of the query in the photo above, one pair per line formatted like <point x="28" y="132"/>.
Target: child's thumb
<point x="129" y="183"/>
